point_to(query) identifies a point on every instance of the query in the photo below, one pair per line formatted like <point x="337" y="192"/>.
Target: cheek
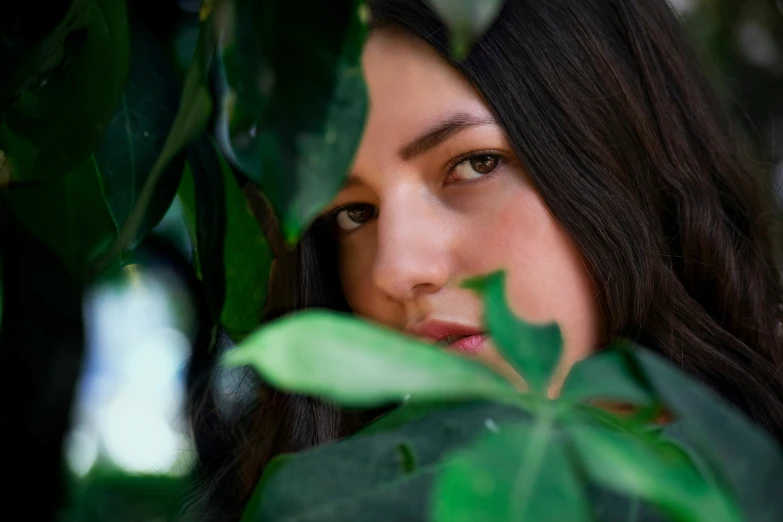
<point x="546" y="277"/>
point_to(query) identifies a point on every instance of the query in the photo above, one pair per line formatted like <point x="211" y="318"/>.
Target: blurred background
<point x="741" y="44"/>
<point x="130" y="419"/>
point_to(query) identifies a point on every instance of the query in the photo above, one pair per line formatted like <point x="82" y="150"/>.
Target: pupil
<point x="360" y="214"/>
<point x="484" y="164"/>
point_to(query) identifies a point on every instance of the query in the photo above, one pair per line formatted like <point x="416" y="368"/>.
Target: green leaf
<point x="186" y="193"/>
<point x="136" y="134"/>
<point x="63" y="118"/>
<point x="533" y="350"/>
<point x="467" y="20"/>
<point x="192" y="117"/>
<point x="521" y="473"/>
<point x="31" y="42"/>
<point x="652" y="470"/>
<point x="400" y="416"/>
<point x="202" y="194"/>
<point x="254" y="504"/>
<point x="730" y="443"/>
<point x="356" y="364"/>
<point x="295" y="101"/>
<point x="234" y="257"/>
<point x="367" y="477"/>
<point x="607" y="374"/>
<point x="69" y="214"/>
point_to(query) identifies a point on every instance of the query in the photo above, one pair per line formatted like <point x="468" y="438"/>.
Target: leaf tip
<point x="235" y="358"/>
<point x="480" y="284"/>
<point x="460" y="48"/>
<point x="292" y="231"/>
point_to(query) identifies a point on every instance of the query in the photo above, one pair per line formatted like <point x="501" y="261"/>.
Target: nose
<point x="412" y="256"/>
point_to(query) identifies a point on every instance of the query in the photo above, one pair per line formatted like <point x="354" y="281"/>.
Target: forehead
<point x="410" y="86"/>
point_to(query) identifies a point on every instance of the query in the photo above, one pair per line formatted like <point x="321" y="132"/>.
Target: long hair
<point x="620" y="133"/>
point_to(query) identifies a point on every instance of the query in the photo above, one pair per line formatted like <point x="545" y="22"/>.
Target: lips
<point x="469" y="345"/>
<point x="457" y="337"/>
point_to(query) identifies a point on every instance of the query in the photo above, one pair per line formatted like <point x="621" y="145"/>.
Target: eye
<point x="354" y="216"/>
<point x="474" y="167"/>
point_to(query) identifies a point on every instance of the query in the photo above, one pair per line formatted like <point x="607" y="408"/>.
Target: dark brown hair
<point x="606" y="105"/>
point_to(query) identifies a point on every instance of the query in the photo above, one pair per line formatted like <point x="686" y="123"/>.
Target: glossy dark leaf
<point x="247" y="261"/>
<point x="202" y="194"/>
<point x="191" y="120"/>
<point x="136" y="134"/>
<point x="365" y="478"/>
<point x="401" y="415"/>
<point x="533" y="350"/>
<point x="653" y="470"/>
<point x="254" y="505"/>
<point x="728" y="441"/>
<point x="357" y="364"/>
<point x="69" y="214"/>
<point x="31" y="42"/>
<point x="467" y="20"/>
<point x="61" y="119"/>
<point x="523" y="472"/>
<point x="607" y="374"/>
<point x="295" y="100"/>
<point x="233" y="255"/>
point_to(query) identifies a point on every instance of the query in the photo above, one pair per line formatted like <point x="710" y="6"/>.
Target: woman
<point x="577" y="146"/>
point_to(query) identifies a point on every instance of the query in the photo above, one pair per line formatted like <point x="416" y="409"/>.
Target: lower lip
<point x="470" y="345"/>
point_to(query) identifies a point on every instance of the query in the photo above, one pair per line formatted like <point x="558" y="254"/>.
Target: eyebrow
<point x="441" y="132"/>
<point x="435" y="135"/>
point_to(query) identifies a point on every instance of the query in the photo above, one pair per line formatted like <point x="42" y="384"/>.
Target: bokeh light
<point x="131" y="396"/>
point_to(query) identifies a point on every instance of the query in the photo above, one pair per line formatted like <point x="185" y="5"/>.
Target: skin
<point x="412" y="227"/>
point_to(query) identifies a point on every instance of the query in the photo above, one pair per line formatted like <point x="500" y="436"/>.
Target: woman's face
<point x="436" y="195"/>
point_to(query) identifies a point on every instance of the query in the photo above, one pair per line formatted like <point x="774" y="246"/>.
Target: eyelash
<point x="330" y="217"/>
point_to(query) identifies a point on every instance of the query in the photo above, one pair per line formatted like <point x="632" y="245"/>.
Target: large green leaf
<point x="233" y="255"/>
<point x="389" y="471"/>
<point x="385" y="476"/>
<point x="521" y="473"/>
<point x="357" y="364"/>
<point x="136" y="134"/>
<point x="467" y="20"/>
<point x="69" y="214"/>
<point x="254" y="504"/>
<point x="607" y="374"/>
<point x="63" y="117"/>
<point x="192" y="117"/>
<point x="730" y="443"/>
<point x="653" y="470"/>
<point x="31" y="41"/>
<point x="533" y="350"/>
<point x="295" y="100"/>
<point x="401" y="415"/>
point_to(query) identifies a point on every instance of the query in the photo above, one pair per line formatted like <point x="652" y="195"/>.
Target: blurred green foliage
<point x="741" y="44"/>
<point x="110" y="493"/>
<point x="519" y="456"/>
